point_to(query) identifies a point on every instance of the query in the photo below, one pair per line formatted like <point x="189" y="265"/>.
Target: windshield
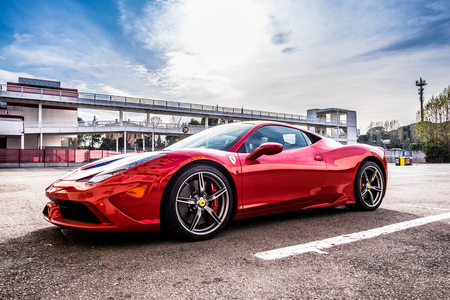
<point x="221" y="137"/>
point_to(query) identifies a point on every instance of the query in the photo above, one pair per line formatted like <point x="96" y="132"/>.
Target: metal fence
<point x="50" y="157"/>
<point x="417" y="157"/>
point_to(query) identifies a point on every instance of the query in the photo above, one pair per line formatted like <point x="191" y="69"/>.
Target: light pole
<point x="420" y="83"/>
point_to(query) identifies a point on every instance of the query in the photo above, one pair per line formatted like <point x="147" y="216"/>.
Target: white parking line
<point x="348" y="238"/>
<point x="424" y="207"/>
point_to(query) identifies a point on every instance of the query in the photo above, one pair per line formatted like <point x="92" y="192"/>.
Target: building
<point x="16" y="113"/>
<point x="345" y="130"/>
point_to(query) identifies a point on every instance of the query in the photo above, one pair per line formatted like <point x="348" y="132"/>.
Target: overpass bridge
<point x="45" y="97"/>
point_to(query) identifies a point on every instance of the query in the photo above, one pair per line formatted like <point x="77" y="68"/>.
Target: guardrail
<point x="104" y="127"/>
<point x="173" y="104"/>
<point x="49" y="124"/>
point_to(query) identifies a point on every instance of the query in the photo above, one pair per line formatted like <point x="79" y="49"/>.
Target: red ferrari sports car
<point x="234" y="171"/>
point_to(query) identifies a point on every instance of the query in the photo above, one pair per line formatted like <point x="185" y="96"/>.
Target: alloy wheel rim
<point x="202" y="203"/>
<point x="371" y="186"/>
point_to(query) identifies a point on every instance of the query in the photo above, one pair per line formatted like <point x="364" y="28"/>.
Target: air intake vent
<point x="78" y="212"/>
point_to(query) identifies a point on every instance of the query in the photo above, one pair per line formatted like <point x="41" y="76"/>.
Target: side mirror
<point x="265" y="149"/>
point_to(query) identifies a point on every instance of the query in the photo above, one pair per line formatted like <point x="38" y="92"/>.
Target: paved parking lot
<point x="39" y="260"/>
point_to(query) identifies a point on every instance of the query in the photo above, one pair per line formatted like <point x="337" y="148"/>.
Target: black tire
<point x="369" y="187"/>
<point x="198" y="203"/>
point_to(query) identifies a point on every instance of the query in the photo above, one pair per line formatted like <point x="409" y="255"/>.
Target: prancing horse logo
<point x="232" y="159"/>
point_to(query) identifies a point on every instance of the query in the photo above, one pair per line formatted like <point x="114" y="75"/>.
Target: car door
<point x="291" y="177"/>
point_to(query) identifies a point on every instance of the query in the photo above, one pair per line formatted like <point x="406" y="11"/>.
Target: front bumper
<point x="76" y="205"/>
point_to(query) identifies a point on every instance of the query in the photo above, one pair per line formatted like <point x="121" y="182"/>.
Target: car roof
<point x="260" y="122"/>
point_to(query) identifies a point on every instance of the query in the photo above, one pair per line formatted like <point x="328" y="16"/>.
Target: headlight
<point x="116" y="169"/>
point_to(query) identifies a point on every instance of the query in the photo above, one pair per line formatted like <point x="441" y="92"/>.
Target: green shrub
<point x="435" y="153"/>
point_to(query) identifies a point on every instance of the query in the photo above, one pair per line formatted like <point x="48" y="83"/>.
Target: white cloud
<point x="82" y="58"/>
<point x="287" y="56"/>
<point x="6" y="76"/>
<point x="199" y="40"/>
<point x="284" y="56"/>
<point x="183" y="74"/>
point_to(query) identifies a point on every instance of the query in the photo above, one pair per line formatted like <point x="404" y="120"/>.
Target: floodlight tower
<point x="420" y="83"/>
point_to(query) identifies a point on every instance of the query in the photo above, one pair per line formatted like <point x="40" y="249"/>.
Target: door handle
<point x="318" y="158"/>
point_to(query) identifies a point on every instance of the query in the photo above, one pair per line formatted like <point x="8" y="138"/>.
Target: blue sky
<point x="279" y="55"/>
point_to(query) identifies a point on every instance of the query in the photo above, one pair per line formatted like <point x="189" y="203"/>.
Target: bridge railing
<point x="210" y="108"/>
<point x="173" y="104"/>
<point x="104" y="124"/>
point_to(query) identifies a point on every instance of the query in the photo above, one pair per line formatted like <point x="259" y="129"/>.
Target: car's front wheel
<point x="198" y="203"/>
<point x="369" y="186"/>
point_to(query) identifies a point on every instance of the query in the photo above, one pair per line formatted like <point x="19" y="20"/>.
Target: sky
<point x="284" y="56"/>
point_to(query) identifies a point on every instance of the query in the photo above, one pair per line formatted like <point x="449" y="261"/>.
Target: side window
<point x="290" y="138"/>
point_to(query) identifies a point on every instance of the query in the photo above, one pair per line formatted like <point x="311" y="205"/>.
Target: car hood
<point x="110" y="164"/>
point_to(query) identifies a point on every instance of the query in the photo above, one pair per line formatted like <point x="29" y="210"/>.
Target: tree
<point x="108" y="143"/>
<point x="155" y="121"/>
<point x="391" y="125"/>
<point x="159" y="144"/>
<point x="434" y="131"/>
<point x="148" y="141"/>
<point x="212" y="122"/>
<point x="375" y="132"/>
<point x="395" y="133"/>
<point x="193" y="122"/>
<point x="94" y="138"/>
<point x="176" y="119"/>
<point x="171" y="139"/>
<point x="81" y="138"/>
<point x="380" y="131"/>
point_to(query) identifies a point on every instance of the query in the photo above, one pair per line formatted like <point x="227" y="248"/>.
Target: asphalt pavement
<point x="40" y="261"/>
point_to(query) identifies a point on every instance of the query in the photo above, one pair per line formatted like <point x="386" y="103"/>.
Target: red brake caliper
<point x="214" y="204"/>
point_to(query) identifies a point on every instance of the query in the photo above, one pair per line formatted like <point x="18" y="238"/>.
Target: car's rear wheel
<point x="198" y="203"/>
<point x="369" y="186"/>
